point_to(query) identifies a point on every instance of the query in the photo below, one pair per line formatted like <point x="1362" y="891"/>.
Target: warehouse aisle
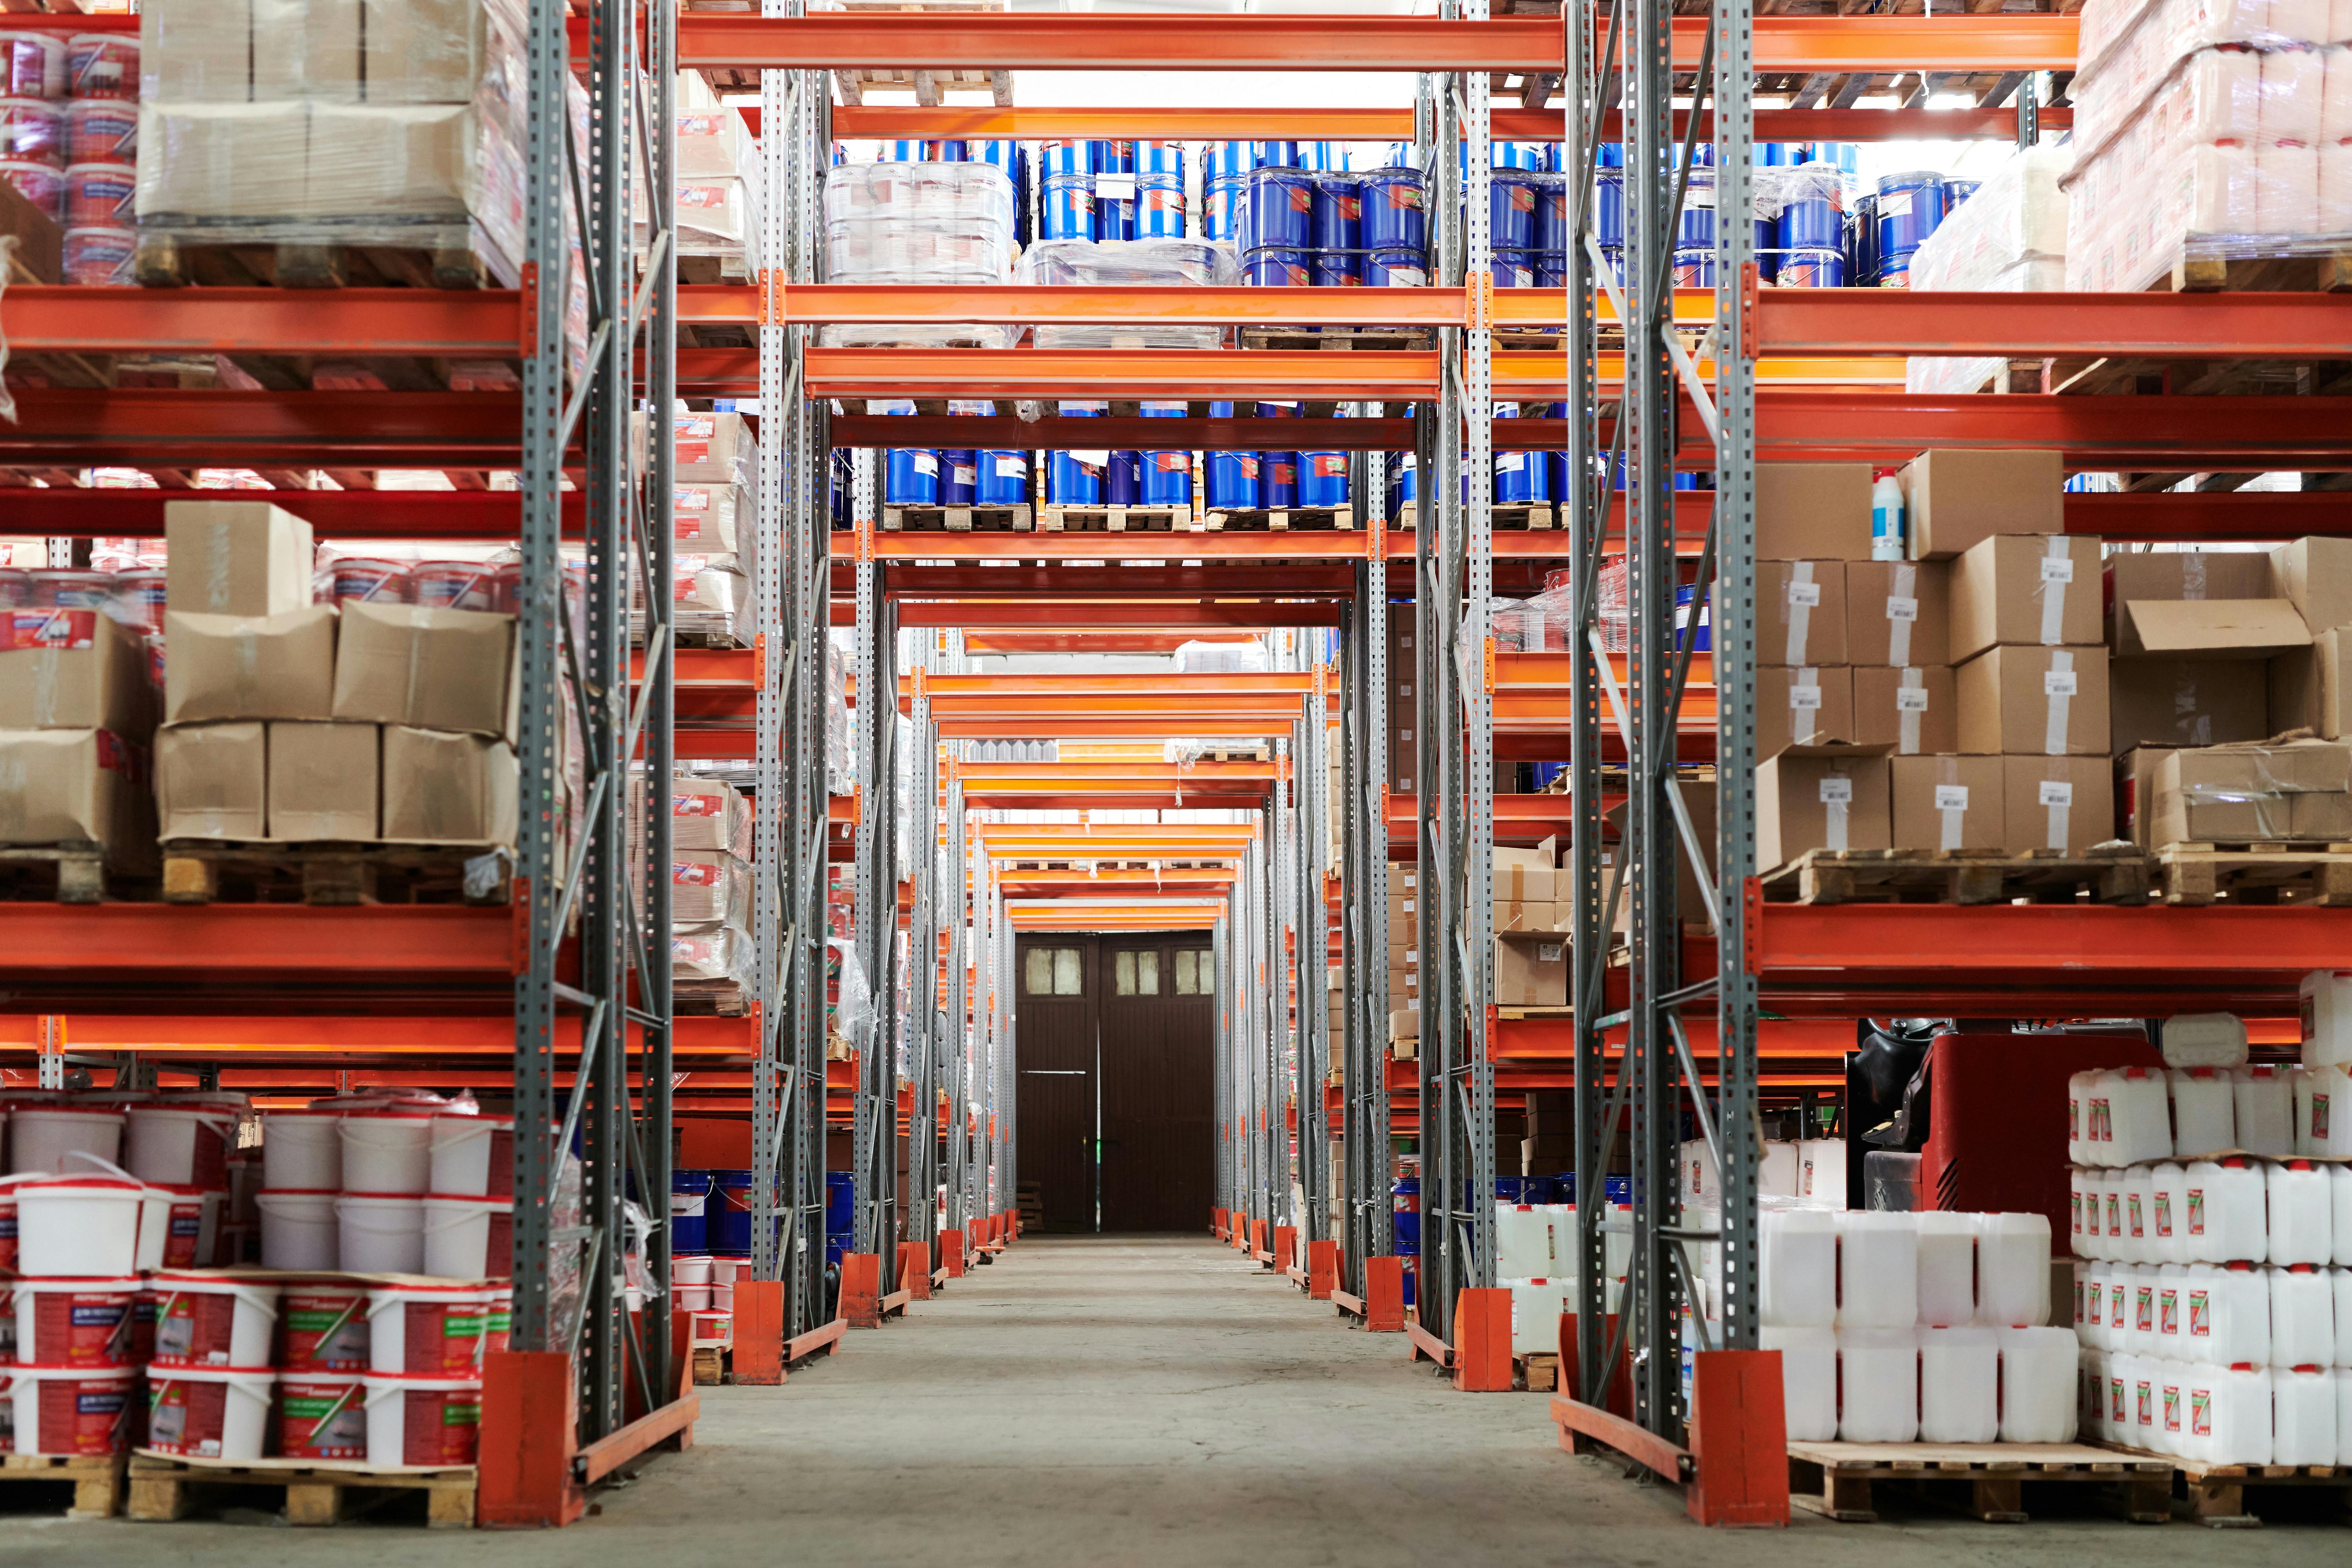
<point x="1148" y="1401"/>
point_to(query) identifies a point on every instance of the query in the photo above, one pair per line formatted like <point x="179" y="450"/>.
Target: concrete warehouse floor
<point x="1135" y="1401"/>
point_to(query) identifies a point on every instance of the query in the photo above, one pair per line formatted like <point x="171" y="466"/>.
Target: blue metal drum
<point x="1511" y="209"/>
<point x="1322" y="479"/>
<point x="1068" y="211"/>
<point x="1225" y="159"/>
<point x="1336" y="269"/>
<point x="1062" y="157"/>
<point x="1159" y="206"/>
<point x="1861" y="242"/>
<point x="1005" y="155"/>
<point x="1392" y="209"/>
<point x="1114" y="206"/>
<point x="905" y="153"/>
<point x="1123" y="479"/>
<point x="1167" y="476"/>
<point x="1003" y="478"/>
<point x="910" y="477"/>
<point x="1609" y="207"/>
<point x="1397" y="268"/>
<point x="1816" y="223"/>
<point x="1074" y="478"/>
<point x="1526" y="155"/>
<point x="728" y="1212"/>
<point x="1323" y="157"/>
<point x="1514" y="269"/>
<point x="1556" y="157"/>
<point x="1233" y="481"/>
<point x="1274" y="268"/>
<point x="959" y="476"/>
<point x="1279" y="478"/>
<point x="1767" y="256"/>
<point x="1220" y="207"/>
<point x="1521" y="478"/>
<point x="1696" y="227"/>
<point x="1695" y="268"/>
<point x="1812" y="269"/>
<point x="689" y="1212"/>
<point x="1337" y="220"/>
<point x="1278" y="209"/>
<point x="1909" y="207"/>
<point x="1275" y="154"/>
<point x="1553" y="215"/>
<point x="1958" y="191"/>
<point x="1160" y="158"/>
<point x="1110" y="157"/>
<point x="947" y="151"/>
<point x="1685" y="596"/>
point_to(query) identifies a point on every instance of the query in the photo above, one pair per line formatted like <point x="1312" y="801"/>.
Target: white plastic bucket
<point x="213" y="1319"/>
<point x="75" y="1322"/>
<point x="209" y="1411"/>
<point x="694" y="1269"/>
<point x="191" y="1236"/>
<point x="388" y="1151"/>
<point x="298" y="1229"/>
<point x="43" y="1140"/>
<point x="78" y="1225"/>
<point x="65" y="1411"/>
<point x="472" y="1156"/>
<point x="467" y="1237"/>
<point x="427" y="1330"/>
<point x="381" y="1232"/>
<point x="691" y="1298"/>
<point x="321" y="1416"/>
<point x="302" y="1150"/>
<point x="179" y="1145"/>
<point x="326" y="1326"/>
<point x="423" y="1420"/>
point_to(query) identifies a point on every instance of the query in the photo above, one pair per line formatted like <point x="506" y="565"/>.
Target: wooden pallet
<point x="2217" y="1493"/>
<point x="1114" y="519"/>
<point x="2327" y="273"/>
<point x="1276" y="520"/>
<point x="1540" y="1371"/>
<point x="1337" y="338"/>
<point x="164" y="262"/>
<point x="958" y="519"/>
<point x="54" y="873"/>
<point x="2117" y="876"/>
<point x="1503" y="514"/>
<point x="710" y="999"/>
<point x="1226" y="754"/>
<point x="2256" y="873"/>
<point x="166" y="1488"/>
<point x="336" y="874"/>
<point x="1835" y="1480"/>
<point x="96" y="1480"/>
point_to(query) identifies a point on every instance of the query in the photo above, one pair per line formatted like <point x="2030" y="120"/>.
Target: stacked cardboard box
<point x="718" y="170"/>
<point x="710" y="885"/>
<point x="1550" y="1145"/>
<point x="1405" y="685"/>
<point x="714" y="463"/>
<point x="77" y="716"/>
<point x="1404" y="951"/>
<point x="287" y="721"/>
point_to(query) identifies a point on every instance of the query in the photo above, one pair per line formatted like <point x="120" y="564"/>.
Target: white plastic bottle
<point x="2038" y="1398"/>
<point x="1960" y="1385"/>
<point x="1808" y="1373"/>
<point x="2204" y="1111"/>
<point x="2167" y="1239"/>
<point x="2265" y="1111"/>
<point x="2302" y="1319"/>
<point x="1886" y="529"/>
<point x="1947" y="1269"/>
<point x="2012" y="1270"/>
<point x="2302" y="1220"/>
<point x="2303" y="1415"/>
<point x="2228" y="1205"/>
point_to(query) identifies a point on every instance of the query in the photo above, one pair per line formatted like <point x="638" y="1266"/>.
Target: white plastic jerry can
<point x="1947" y="1269"/>
<point x="2322" y="1104"/>
<point x="1797" y="1253"/>
<point x="1878" y="1384"/>
<point x="2204" y="1111"/>
<point x="2099" y="1116"/>
<point x="2012" y="1270"/>
<point x="2340" y="1213"/>
<point x="2078" y="1101"/>
<point x="2172" y="1382"/>
<point x="2303" y="1320"/>
<point x="2238" y="1316"/>
<point x="2076" y="1242"/>
<point x="1959" y="1385"/>
<point x="2037" y="1390"/>
<point x="2303" y="1415"/>
<point x="1878" y="1269"/>
<point x="2091" y="1391"/>
<point x="2228" y="1203"/>
<point x="2141" y="1103"/>
<point x="2167" y="1239"/>
<point x="2139" y="1214"/>
<point x="2301" y="1213"/>
<point x="2172" y="1310"/>
<point x="2265" y="1111"/>
<point x="1809" y="1379"/>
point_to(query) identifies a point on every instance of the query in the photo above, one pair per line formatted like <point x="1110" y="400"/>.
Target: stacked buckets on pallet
<point x="710" y="1239"/>
<point x="68" y="142"/>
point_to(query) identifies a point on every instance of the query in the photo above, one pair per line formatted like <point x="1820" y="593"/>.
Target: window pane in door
<point x="1065" y="972"/>
<point x="1146" y="972"/>
<point x="1123" y="974"/>
<point x="1188" y="972"/>
<point x="1039" y="979"/>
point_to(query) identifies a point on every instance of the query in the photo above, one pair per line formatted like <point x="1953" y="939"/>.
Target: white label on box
<point x="1551" y="952"/>
<point x="1511" y="462"/>
<point x="2052" y="793"/>
<point x="2057" y="569"/>
<point x="2058" y="683"/>
<point x="1902" y="609"/>
<point x="1114" y="188"/>
<point x="1804" y="697"/>
<point x="1951" y="797"/>
<point x="1837" y="791"/>
<point x="1910" y="699"/>
<point x="1806" y="594"/>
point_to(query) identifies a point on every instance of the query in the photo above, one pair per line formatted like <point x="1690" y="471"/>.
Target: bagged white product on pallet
<point x="2264" y="1118"/>
<point x="1959" y="1385"/>
<point x="920" y="223"/>
<point x="2009" y="236"/>
<point x="1878" y="1384"/>
<point x="1809" y="1379"/>
<point x="1878" y="1269"/>
<point x="1797" y="1256"/>
<point x="2039" y="1369"/>
<point x="1947" y="1268"/>
<point x="2203" y="1040"/>
<point x="2013" y="1270"/>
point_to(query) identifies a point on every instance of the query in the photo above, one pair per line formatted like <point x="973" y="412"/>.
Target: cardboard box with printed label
<point x="249" y="666"/>
<point x="441" y="787"/>
<point x="712" y="448"/>
<point x="711" y="519"/>
<point x="1948" y="803"/>
<point x="1530" y="971"/>
<point x="325" y="781"/>
<point x="236" y="558"/>
<point x="2316" y="575"/>
<point x="436" y="670"/>
<point x="2066" y="803"/>
<point x="2191" y="576"/>
<point x="2312" y="688"/>
<point x="1954" y="499"/>
<point x="2027" y="701"/>
<point x="1898" y="612"/>
<point x="212" y="782"/>
<point x="73" y="670"/>
<point x="1821" y="797"/>
<point x="2036" y="591"/>
<point x="1801" y="612"/>
<point x="709" y="885"/>
<point x="2187" y="701"/>
<point x="1910" y="709"/>
<point x="1812" y="511"/>
<point x="1804" y="707"/>
<point x="1404" y="1024"/>
<point x="64" y="786"/>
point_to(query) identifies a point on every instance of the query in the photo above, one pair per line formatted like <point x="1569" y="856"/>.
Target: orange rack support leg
<point x="760" y="1332"/>
<point x="1384" y="1295"/>
<point x="951" y="1253"/>
<point x="1738" y="1438"/>
<point x="1617" y="1393"/>
<point x="1258" y="1240"/>
<point x="1286" y="1247"/>
<point x="914" y="1267"/>
<point x="861" y="1289"/>
<point x="1322" y="1270"/>
<point x="528" y="1420"/>
<point x="1217" y="1224"/>
<point x="1482" y="1341"/>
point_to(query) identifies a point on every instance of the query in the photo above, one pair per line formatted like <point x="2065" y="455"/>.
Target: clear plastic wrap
<point x="2292" y="788"/>
<point x="1774" y="188"/>
<point x="928" y="224"/>
<point x="1220" y="657"/>
<point x="2128" y="46"/>
<point x="853" y="1007"/>
<point x="840" y="770"/>
<point x="2008" y="238"/>
<point x="1129" y="264"/>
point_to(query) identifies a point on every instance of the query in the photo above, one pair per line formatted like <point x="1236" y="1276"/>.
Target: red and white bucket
<point x="75" y="1322"/>
<point x="423" y="1420"/>
<point x="33" y="65"/>
<point x="33" y="131"/>
<point x="213" y="1319"/>
<point x="101" y="130"/>
<point x="103" y="65"/>
<point x="381" y="1232"/>
<point x="427" y="1330"/>
<point x="326" y="1326"/>
<point x="64" y="1411"/>
<point x="194" y="1239"/>
<point x="179" y="1145"/>
<point x="387" y="1151"/>
<point x="473" y="1156"/>
<point x="468" y="1237"/>
<point x="372" y="581"/>
<point x="43" y="184"/>
<point x="100" y="193"/>
<point x="321" y="1416"/>
<point x="44" y="1137"/>
<point x="299" y="1229"/>
<point x="79" y="1227"/>
<point x="209" y="1411"/>
<point x="498" y="1319"/>
<point x="302" y="1150"/>
<point x="454" y="585"/>
<point x="8" y="1231"/>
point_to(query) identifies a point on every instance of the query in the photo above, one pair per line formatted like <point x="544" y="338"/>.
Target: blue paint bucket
<point x="1159" y="206"/>
<point x="910" y="477"/>
<point x="1556" y="157"/>
<point x="1526" y="155"/>
<point x="1696" y="228"/>
<point x="1063" y="157"/>
<point x="690" y="1211"/>
<point x="1408" y="1240"/>
<point x="729" y="1214"/>
<point x="1609" y="205"/>
<point x="1005" y="155"/>
<point x="1812" y="269"/>
<point x="1225" y="159"/>
<point x="840" y="1203"/>
<point x="1233" y="481"/>
<point x="1958" y="191"/>
<point x="947" y="151"/>
<point x="1068" y="209"/>
<point x="1278" y="477"/>
<point x="959" y="476"/>
<point x="1167" y="479"/>
<point x="1695" y="268"/>
<point x="1075" y="479"/>
<point x="1114" y="205"/>
<point x="1110" y="157"/>
<point x="1685" y="597"/>
<point x="1123" y="479"/>
<point x="1277" y="410"/>
<point x="1275" y="154"/>
<point x="1511" y="210"/>
<point x="1003" y="478"/>
<point x="1816" y="223"/>
<point x="1322" y="479"/>
<point x="1272" y="268"/>
<point x="1909" y="207"/>
<point x="1337" y="221"/>
<point x="1521" y="477"/>
<point x="1403" y="268"/>
<point x="1513" y="268"/>
<point x="905" y="153"/>
<point x="1278" y="209"/>
<point x="1894" y="273"/>
<point x="1336" y="269"/>
<point x="1553" y="215"/>
<point x="1394" y="210"/>
<point x="1767" y="241"/>
<point x="1160" y="158"/>
<point x="1220" y="207"/>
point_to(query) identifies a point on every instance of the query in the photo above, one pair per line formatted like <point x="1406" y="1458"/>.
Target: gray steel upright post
<point x="924" y="1044"/>
<point x="959" y="1041"/>
<point x="875" y="1132"/>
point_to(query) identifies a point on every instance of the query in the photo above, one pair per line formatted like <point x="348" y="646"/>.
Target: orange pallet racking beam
<point x="1838" y="322"/>
<point x="885" y="123"/>
<point x="456" y="323"/>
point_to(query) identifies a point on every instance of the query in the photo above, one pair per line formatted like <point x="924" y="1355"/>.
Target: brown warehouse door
<point x="1116" y="1041"/>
